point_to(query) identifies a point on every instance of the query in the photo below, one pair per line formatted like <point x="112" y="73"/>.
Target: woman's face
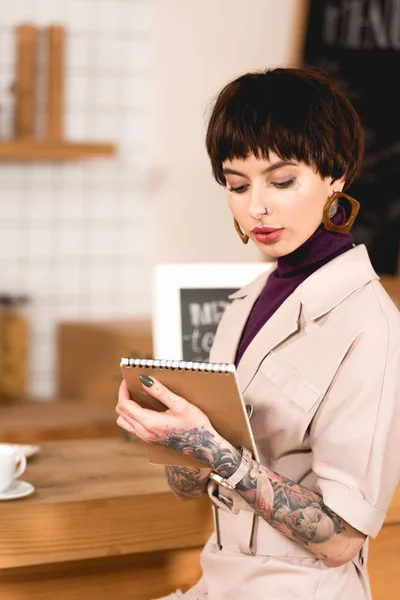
<point x="294" y="194"/>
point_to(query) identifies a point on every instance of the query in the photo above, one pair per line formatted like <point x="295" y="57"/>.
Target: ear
<point x="337" y="185"/>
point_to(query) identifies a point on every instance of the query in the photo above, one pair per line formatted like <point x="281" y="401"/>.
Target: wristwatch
<point x="242" y="470"/>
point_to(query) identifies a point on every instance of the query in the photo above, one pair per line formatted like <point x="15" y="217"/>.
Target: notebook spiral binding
<point x="180" y="365"/>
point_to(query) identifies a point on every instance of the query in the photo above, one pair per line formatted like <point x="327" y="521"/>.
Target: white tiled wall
<point x="71" y="233"/>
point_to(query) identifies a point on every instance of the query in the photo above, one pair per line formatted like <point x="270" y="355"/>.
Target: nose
<point x="257" y="201"/>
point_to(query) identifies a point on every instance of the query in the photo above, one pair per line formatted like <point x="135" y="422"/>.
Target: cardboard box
<point x="89" y="354"/>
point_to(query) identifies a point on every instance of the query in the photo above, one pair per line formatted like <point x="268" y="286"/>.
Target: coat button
<point x="249" y="410"/>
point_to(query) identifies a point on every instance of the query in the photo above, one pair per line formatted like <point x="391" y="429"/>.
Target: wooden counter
<point x="34" y="422"/>
<point x="101" y="520"/>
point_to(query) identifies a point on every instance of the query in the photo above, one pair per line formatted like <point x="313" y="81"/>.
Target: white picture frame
<point x="167" y="282"/>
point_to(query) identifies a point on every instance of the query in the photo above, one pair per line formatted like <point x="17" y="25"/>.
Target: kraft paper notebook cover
<point x="212" y="387"/>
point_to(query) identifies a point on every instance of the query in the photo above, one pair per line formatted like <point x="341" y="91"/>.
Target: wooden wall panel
<point x="25" y="84"/>
<point x="55" y="46"/>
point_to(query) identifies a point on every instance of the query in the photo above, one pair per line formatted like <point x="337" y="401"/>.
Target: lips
<point x="266" y="229"/>
<point x="267" y="235"/>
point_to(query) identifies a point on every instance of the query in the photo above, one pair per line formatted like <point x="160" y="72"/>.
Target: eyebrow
<point x="277" y="165"/>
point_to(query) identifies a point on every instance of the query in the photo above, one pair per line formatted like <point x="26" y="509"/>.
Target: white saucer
<point x="18" y="489"/>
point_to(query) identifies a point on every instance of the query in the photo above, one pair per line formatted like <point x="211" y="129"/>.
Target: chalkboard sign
<point x="201" y="312"/>
<point x="358" y="43"/>
<point x="189" y="301"/>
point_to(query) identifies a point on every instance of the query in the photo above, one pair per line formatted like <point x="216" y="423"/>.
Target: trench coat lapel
<point x="233" y="321"/>
<point x="316" y="296"/>
<point x="283" y="323"/>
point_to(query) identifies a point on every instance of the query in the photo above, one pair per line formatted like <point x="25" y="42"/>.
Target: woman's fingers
<point x="156" y="389"/>
<point x="154" y="426"/>
<point x="129" y="423"/>
<point x="132" y="411"/>
<point x="127" y="407"/>
<point x="124" y="424"/>
<point x="123" y="392"/>
<point x="172" y="427"/>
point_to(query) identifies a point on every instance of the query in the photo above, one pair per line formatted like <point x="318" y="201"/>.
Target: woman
<point x="317" y="345"/>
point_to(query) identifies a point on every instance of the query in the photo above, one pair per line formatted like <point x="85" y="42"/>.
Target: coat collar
<point x="317" y="295"/>
<point x="335" y="281"/>
<point x="350" y="271"/>
<point x="254" y="286"/>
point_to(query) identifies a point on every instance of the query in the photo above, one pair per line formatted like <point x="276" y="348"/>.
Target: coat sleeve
<point x="355" y="433"/>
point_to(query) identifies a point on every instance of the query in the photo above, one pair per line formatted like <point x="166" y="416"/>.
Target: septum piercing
<point x="265" y="213"/>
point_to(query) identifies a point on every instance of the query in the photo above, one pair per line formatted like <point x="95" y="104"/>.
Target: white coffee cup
<point x="12" y="465"/>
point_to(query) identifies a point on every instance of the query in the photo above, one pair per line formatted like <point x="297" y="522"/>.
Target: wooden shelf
<point x="45" y="150"/>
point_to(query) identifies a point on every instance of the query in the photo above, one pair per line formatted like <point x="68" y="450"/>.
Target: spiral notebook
<point x="212" y="387"/>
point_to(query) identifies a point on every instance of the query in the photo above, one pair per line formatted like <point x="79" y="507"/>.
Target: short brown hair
<point x="299" y="114"/>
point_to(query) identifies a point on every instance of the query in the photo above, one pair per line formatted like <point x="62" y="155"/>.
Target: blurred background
<point x="103" y="169"/>
<point x="104" y="176"/>
<point x="79" y="236"/>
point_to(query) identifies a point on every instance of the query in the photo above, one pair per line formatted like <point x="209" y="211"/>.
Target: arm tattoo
<point x="187" y="482"/>
<point x="203" y="445"/>
<point x="294" y="510"/>
<point x="297" y="512"/>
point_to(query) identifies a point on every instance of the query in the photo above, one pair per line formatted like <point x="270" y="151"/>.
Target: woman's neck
<point x="321" y="247"/>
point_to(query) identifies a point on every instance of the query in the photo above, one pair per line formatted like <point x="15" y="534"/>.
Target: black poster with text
<point x="358" y="43"/>
<point x="201" y="312"/>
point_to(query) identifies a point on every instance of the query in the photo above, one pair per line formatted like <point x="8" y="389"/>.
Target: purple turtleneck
<point x="290" y="272"/>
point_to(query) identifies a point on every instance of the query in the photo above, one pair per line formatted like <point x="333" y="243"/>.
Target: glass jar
<point x="14" y="341"/>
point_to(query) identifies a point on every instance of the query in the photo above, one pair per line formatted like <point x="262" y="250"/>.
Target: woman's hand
<point x="182" y="427"/>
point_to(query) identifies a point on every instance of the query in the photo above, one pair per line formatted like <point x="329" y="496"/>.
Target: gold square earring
<point x="346" y="227"/>
<point x="243" y="236"/>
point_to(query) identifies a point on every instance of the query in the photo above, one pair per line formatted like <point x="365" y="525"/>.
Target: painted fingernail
<point x="147" y="381"/>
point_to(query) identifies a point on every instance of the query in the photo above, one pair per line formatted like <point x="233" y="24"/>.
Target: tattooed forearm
<point x="207" y="447"/>
<point x="298" y="513"/>
<point x="187" y="482"/>
<point x="292" y="507"/>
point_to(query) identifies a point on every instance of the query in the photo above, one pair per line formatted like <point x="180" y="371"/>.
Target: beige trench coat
<point x="323" y="378"/>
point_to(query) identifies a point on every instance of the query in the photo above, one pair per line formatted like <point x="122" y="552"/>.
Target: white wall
<point x="79" y="237"/>
<point x="198" y="46"/>
<point x="71" y="234"/>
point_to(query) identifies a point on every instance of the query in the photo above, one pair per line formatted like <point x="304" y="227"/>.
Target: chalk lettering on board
<point x="358" y="43"/>
<point x="362" y="24"/>
<point x="201" y="312"/>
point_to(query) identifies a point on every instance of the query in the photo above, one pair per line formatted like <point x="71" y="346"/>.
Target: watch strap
<point x="242" y="470"/>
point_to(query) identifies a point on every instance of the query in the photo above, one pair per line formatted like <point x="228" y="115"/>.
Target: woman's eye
<point x="238" y="190"/>
<point x="282" y="185"/>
